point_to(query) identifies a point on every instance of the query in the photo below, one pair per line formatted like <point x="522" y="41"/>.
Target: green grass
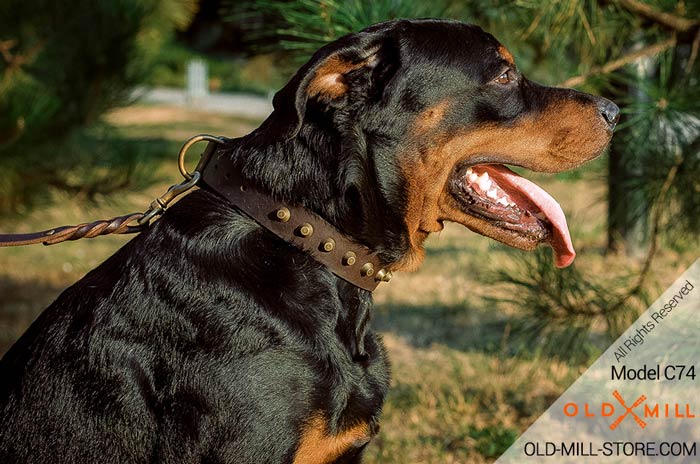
<point x="461" y="392"/>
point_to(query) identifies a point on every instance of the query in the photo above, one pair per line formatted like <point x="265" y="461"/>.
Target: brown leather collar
<point x="348" y="260"/>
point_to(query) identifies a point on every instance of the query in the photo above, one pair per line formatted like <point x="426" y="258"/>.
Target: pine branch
<point x="620" y="62"/>
<point x="693" y="53"/>
<point x="675" y="22"/>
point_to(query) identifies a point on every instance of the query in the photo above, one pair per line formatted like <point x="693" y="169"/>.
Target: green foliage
<point x="94" y="162"/>
<point x="587" y="29"/>
<point x="79" y="67"/>
<point x="257" y="75"/>
<point x="61" y="68"/>
<point x="301" y="27"/>
<point x="170" y="65"/>
<point x="661" y="131"/>
<point x="492" y="441"/>
<point x="560" y="309"/>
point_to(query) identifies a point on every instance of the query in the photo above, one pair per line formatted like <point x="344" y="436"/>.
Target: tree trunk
<point x="627" y="205"/>
<point x="627" y="231"/>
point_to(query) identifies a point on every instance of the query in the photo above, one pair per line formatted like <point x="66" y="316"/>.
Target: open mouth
<point x="519" y="212"/>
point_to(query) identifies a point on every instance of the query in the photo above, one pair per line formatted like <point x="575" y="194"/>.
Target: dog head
<point x="410" y="123"/>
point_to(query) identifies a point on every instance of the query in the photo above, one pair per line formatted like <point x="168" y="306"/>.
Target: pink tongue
<point x="524" y="191"/>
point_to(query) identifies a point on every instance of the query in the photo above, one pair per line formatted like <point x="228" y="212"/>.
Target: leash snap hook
<point x="160" y="204"/>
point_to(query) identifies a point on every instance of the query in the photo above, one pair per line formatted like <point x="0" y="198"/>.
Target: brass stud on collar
<point x="367" y="270"/>
<point x="306" y="230"/>
<point x="328" y="245"/>
<point x="349" y="258"/>
<point x="283" y="214"/>
<point x="383" y="276"/>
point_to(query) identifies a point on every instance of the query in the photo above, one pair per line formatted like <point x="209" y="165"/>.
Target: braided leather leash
<point x="129" y="223"/>
<point x="117" y="225"/>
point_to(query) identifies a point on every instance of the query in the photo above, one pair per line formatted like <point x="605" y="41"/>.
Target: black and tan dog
<point x="209" y="339"/>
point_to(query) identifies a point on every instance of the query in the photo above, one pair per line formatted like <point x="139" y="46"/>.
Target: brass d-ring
<point x="183" y="151"/>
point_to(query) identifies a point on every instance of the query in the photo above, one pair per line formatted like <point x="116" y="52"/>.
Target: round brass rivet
<point x="367" y="270"/>
<point x="283" y="215"/>
<point x="349" y="258"/>
<point x="328" y="245"/>
<point x="383" y="276"/>
<point x="306" y="230"/>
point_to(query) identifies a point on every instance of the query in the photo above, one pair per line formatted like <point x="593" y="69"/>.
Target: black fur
<point x="204" y="339"/>
<point x="207" y="339"/>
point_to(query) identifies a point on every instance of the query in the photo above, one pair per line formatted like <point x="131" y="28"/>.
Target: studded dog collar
<point x="347" y="259"/>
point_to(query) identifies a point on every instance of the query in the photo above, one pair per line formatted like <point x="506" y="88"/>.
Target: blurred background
<point x="97" y="96"/>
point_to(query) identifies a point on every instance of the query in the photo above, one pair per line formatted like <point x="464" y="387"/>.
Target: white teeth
<point x="485" y="182"/>
<point x="487" y="185"/>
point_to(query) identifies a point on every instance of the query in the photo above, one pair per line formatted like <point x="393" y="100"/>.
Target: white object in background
<point x="197" y="82"/>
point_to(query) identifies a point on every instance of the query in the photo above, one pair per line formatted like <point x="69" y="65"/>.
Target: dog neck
<point x="300" y="227"/>
<point x="225" y="245"/>
<point x="332" y="174"/>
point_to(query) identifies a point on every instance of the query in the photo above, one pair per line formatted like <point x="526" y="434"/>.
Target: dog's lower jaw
<point x="412" y="259"/>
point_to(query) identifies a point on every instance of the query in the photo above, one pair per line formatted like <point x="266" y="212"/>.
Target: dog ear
<point x="327" y="76"/>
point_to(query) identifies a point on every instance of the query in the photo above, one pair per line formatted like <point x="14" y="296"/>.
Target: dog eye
<point x="504" y="78"/>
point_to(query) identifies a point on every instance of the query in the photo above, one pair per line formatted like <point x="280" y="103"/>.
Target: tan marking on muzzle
<point x="565" y="135"/>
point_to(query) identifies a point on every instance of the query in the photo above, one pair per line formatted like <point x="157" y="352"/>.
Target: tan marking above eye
<point x="506" y="54"/>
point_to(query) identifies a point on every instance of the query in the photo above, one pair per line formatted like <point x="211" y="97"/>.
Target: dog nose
<point x="609" y="111"/>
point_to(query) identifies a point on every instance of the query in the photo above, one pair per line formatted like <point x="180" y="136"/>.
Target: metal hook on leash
<point x="160" y="204"/>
